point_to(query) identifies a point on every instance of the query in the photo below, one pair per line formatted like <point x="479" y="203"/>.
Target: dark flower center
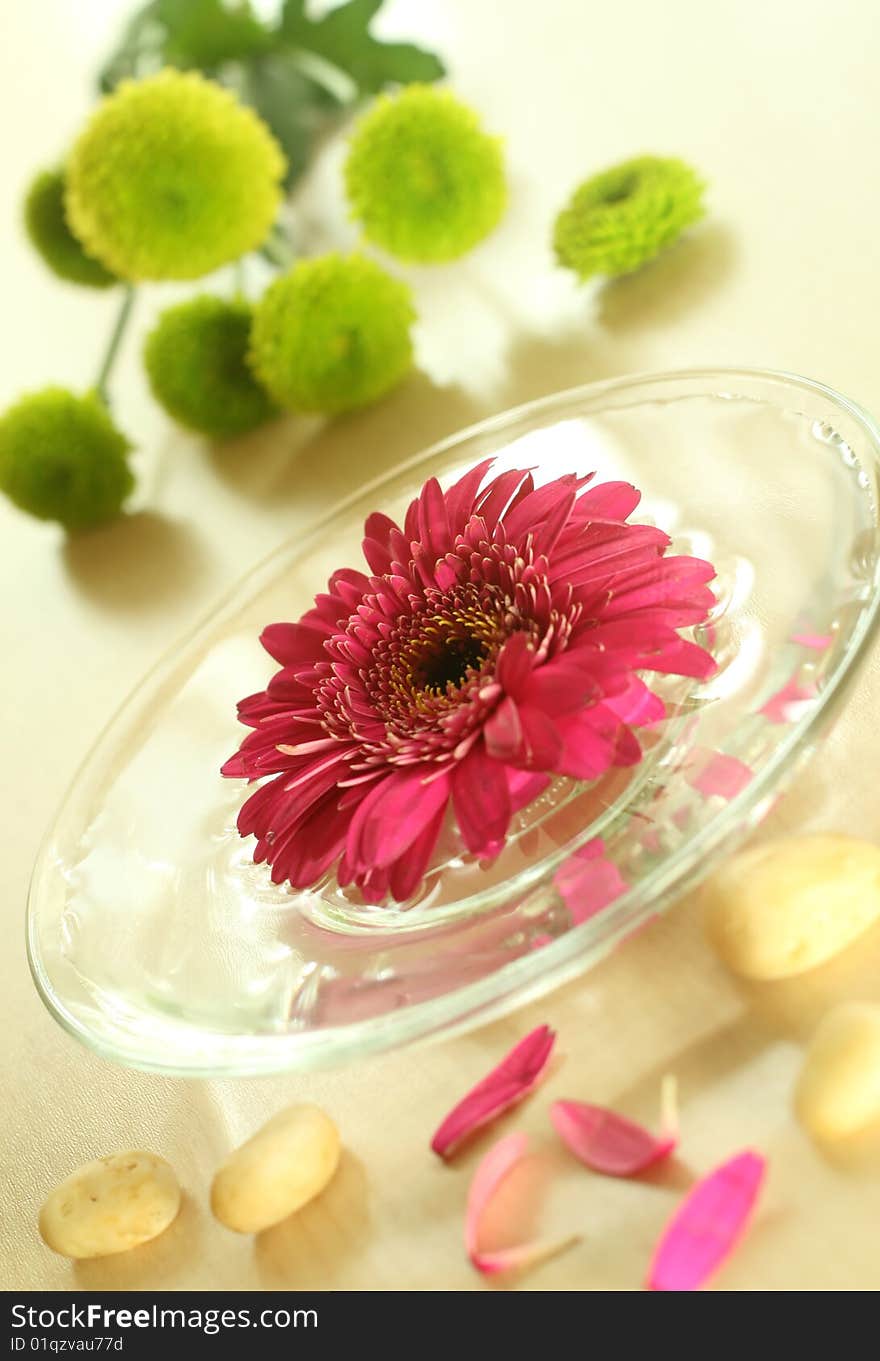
<point x="447" y="663"/>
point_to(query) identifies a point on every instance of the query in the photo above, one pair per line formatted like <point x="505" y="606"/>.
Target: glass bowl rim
<point x="454" y="1012"/>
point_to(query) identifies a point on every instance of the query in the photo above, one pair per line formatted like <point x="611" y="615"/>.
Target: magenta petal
<point x="391" y="817"/>
<point x="481" y="799"/>
<point x="707" y="1225"/>
<point x="503" y="732"/>
<point x="498" y="1162"/>
<point x="509" y="1082"/>
<point x="608" y="1142"/>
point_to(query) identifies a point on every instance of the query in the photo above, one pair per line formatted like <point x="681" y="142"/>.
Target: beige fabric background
<point x="778" y="103"/>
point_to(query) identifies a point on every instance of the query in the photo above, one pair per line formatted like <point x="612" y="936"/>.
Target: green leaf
<point x="200" y="34"/>
<point x="207" y="33"/>
<point x="342" y="37"/>
<point x="298" y="109"/>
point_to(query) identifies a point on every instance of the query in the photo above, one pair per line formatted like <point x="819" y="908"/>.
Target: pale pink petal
<point x="819" y="642"/>
<point x="587" y="881"/>
<point x="508" y="1083"/>
<point x="789" y="703"/>
<point x="611" y="1144"/>
<point x="498" y="1162"/>
<point x="707" y="1225"/>
<point x="724" y="776"/>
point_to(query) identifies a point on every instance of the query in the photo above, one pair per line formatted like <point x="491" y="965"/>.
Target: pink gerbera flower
<point x="495" y="642"/>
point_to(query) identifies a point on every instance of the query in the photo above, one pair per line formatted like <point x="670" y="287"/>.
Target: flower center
<point x="447" y="663"/>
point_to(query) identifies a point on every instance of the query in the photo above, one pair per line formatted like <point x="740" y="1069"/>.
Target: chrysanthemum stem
<point x="122" y="317"/>
<point x="278" y="248"/>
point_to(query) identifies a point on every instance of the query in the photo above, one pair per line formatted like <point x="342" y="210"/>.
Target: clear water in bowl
<point x="156" y="939"/>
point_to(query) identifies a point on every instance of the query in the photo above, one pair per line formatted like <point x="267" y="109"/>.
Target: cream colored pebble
<point x="839" y="1088"/>
<point x="788" y="905"/>
<point x="284" y="1165"/>
<point x="110" y="1205"/>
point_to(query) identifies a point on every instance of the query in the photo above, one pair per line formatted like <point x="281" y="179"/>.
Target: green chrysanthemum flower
<point x="423" y="178"/>
<point x="46" y="226"/>
<point x="62" y="458"/>
<point x="196" y="360"/>
<point x="172" y="178"/>
<point x="332" y="334"/>
<point x="626" y="215"/>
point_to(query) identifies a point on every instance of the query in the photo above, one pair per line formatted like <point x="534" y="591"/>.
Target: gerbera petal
<point x="611" y="1144"/>
<point x="707" y="1225"/>
<point x="514" y="664"/>
<point x="495" y="1166"/>
<point x="408" y="871"/>
<point x="391" y="816"/>
<point x="511" y="1080"/>
<point x="481" y="800"/>
<point x="503" y="732"/>
<point x="608" y="501"/>
<point x="542" y="740"/>
<point x="587" y="751"/>
<point x="462" y="494"/>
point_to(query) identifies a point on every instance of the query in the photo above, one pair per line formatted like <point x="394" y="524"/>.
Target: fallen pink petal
<point x="611" y="1144"/>
<point x="707" y="1225"/>
<point x="497" y="1164"/>
<point x="508" y="1083"/>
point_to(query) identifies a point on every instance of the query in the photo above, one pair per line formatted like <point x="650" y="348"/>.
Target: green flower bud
<point x="172" y="177"/>
<point x="49" y="234"/>
<point x="332" y="334"/>
<point x="62" y="458"/>
<point x="626" y="215"/>
<point x="196" y="360"/>
<point x="423" y="178"/>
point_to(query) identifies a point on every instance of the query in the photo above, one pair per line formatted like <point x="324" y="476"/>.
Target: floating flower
<point x="196" y="361"/>
<point x="332" y="334"/>
<point x="495" y="642"/>
<point x="62" y="458"/>
<point x="624" y="216"/>
<point x="46" y="225"/>
<point x="511" y="1080"/>
<point x="172" y="177"/>
<point x="423" y="178"/>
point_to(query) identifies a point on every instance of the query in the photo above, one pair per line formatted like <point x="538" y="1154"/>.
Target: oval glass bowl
<point x="155" y="939"/>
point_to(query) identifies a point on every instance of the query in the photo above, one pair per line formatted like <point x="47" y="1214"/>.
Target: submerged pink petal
<point x="819" y="642"/>
<point x="789" y="703"/>
<point x="707" y="1225"/>
<point x="512" y="1079"/>
<point x="498" y="1162"/>
<point x="588" y="881"/>
<point x="723" y="776"/>
<point x="610" y="1143"/>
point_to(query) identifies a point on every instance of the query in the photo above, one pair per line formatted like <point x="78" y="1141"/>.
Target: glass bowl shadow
<point x="155" y="940"/>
